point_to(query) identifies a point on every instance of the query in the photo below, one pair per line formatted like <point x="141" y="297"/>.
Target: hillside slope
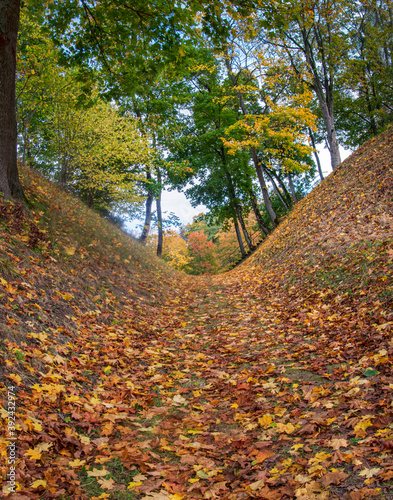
<point x="273" y="381"/>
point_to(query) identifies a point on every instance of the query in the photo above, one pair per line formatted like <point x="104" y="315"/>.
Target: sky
<point x="176" y="202"/>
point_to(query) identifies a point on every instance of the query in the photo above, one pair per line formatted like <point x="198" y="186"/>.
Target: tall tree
<point x="364" y="105"/>
<point x="314" y="37"/>
<point x="9" y="177"/>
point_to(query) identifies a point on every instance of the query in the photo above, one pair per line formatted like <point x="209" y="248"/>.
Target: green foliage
<point x="117" y="103"/>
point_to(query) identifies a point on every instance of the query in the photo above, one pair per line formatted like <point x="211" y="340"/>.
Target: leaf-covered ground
<point x="273" y="381"/>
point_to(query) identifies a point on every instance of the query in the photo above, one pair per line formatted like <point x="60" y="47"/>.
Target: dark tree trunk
<point x="276" y="190"/>
<point x="262" y="182"/>
<point x="239" y="238"/>
<point x="63" y="175"/>
<point x="257" y="213"/>
<point x="292" y="188"/>
<point x="243" y="226"/>
<point x="9" y="176"/>
<point x="159" y="216"/>
<point x="90" y="199"/>
<point x="149" y="204"/>
<point x="324" y="93"/>
<point x="316" y="155"/>
<point x="232" y="194"/>
<point x="283" y="187"/>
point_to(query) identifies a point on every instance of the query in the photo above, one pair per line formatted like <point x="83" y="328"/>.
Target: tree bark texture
<point x="232" y="194"/>
<point x="257" y="213"/>
<point x="149" y="204"/>
<point x="292" y="188"/>
<point x="316" y="155"/>
<point x="239" y="238"/>
<point x="324" y="93"/>
<point x="159" y="216"/>
<point x="9" y="176"/>
<point x="276" y="190"/>
<point x="262" y="182"/>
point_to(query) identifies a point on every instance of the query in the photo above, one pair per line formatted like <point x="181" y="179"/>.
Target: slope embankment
<point x="273" y="381"/>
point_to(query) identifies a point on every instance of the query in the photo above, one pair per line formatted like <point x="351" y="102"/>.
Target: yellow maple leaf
<point x="16" y="378"/>
<point x="38" y="483"/>
<point x="70" y="250"/>
<point x="360" y="428"/>
<point x="134" y="485"/>
<point x="265" y="421"/>
<point x="107" y="484"/>
<point x="71" y="399"/>
<point x="370" y="472"/>
<point x="77" y="463"/>
<point x="98" y="472"/>
<point x="36" y="425"/>
<point x="319" y="457"/>
<point x="43" y="446"/>
<point x="296" y="447"/>
<point x="289" y="428"/>
<point x="33" y="454"/>
<point x="102" y="460"/>
<point x="107" y="429"/>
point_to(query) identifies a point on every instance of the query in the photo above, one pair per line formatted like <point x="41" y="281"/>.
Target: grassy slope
<point x="272" y="381"/>
<point x="67" y="278"/>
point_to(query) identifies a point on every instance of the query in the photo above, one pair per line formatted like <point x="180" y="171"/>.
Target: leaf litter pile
<point x="273" y="381"/>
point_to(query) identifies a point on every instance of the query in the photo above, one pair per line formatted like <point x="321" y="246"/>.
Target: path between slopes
<point x="238" y="409"/>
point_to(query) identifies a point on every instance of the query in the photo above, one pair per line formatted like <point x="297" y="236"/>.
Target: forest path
<point x="273" y="381"/>
<point x="249" y="406"/>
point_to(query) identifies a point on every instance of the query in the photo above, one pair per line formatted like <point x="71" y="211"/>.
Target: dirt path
<point x="242" y="408"/>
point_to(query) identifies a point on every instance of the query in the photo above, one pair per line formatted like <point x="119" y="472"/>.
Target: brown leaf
<point x="333" y="478"/>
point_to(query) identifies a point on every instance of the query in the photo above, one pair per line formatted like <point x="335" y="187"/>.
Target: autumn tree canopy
<point x="226" y="101"/>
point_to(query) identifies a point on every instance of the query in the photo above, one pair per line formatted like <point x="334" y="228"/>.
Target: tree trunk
<point x="232" y="195"/>
<point x="283" y="187"/>
<point x="292" y="188"/>
<point x="277" y="191"/>
<point x="149" y="203"/>
<point x="239" y="238"/>
<point x="243" y="226"/>
<point x="9" y="176"/>
<point x="266" y="198"/>
<point x="254" y="153"/>
<point x="328" y="118"/>
<point x="316" y="154"/>
<point x="257" y="213"/>
<point x="325" y="100"/>
<point x="63" y="175"/>
<point x="159" y="215"/>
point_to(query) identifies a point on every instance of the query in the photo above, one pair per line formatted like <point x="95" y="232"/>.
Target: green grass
<point x="117" y="472"/>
